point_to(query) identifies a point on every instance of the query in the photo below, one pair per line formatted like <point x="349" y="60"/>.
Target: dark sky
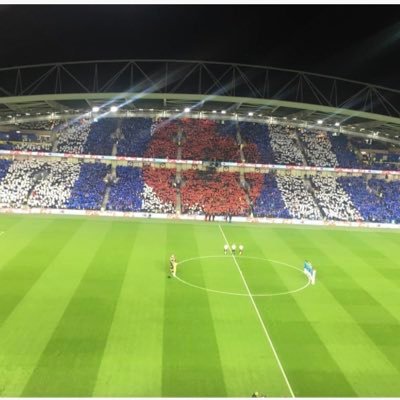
<point x="358" y="42"/>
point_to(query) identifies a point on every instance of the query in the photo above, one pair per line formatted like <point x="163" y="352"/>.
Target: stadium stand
<point x="284" y="146"/>
<point x="227" y="128"/>
<point x="53" y="188"/>
<point x="342" y="148"/>
<point x="100" y="139"/>
<point x="37" y="183"/>
<point x="163" y="143"/>
<point x="43" y="125"/>
<point x="88" y="191"/>
<point x="367" y="202"/>
<point x="257" y="146"/>
<point x="269" y="203"/>
<point x="4" y="166"/>
<point x="32" y="146"/>
<point x="335" y="203"/>
<point x="72" y="136"/>
<point x="213" y="193"/>
<point x="6" y="146"/>
<point x="17" y="183"/>
<point x="125" y="194"/>
<point x="317" y="149"/>
<point x="159" y="194"/>
<point x="299" y="202"/>
<point x="202" y="142"/>
<point x="389" y="191"/>
<point x="135" y="136"/>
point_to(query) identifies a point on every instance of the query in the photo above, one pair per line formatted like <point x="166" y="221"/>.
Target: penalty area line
<point x="259" y="317"/>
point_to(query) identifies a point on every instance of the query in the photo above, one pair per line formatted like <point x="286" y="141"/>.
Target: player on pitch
<point x="226" y="248"/>
<point x="172" y="265"/>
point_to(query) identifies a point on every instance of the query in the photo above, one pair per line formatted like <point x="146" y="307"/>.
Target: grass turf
<point x="86" y="309"/>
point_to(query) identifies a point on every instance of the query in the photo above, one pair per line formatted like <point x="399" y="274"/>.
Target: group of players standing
<point x="233" y="249"/>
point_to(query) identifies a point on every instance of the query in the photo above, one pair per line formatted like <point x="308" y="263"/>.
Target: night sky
<point x="358" y="42"/>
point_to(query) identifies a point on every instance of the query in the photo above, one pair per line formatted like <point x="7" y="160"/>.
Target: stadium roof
<point x="167" y="85"/>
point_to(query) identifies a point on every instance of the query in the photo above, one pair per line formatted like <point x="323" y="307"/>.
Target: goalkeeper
<point x="172" y="265"/>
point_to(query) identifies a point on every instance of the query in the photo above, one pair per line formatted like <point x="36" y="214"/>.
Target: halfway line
<point x="259" y="317"/>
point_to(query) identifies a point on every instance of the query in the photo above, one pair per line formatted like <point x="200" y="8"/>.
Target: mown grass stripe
<point x="69" y="365"/>
<point x="376" y="267"/>
<point x="349" y="346"/>
<point x="22" y="271"/>
<point x="355" y="300"/>
<point x="132" y="360"/>
<point x="297" y="342"/>
<point x="26" y="332"/>
<point x="247" y="361"/>
<point x="191" y="362"/>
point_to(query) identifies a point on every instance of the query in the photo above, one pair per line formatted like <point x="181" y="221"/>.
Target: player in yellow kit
<point x="172" y="265"/>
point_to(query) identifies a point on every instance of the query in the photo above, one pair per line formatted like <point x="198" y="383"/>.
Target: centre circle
<point x="241" y="275"/>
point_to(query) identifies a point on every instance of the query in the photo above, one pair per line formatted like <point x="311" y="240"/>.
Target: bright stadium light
<point x="96" y="109"/>
<point x="114" y="109"/>
<point x="319" y="122"/>
<point x="187" y="109"/>
<point x="27" y="114"/>
<point x="337" y="123"/>
<point x="223" y="112"/>
<point x="251" y="114"/>
<point x="214" y="111"/>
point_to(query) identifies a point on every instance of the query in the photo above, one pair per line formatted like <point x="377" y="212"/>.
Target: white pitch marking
<point x="259" y="317"/>
<point x="244" y="294"/>
<point x="1" y="232"/>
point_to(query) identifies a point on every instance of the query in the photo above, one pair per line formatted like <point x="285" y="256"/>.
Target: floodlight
<point x="319" y="122"/>
<point x="18" y="131"/>
<point x="27" y="114"/>
<point x="96" y="109"/>
<point x="187" y="109"/>
<point x="223" y="112"/>
<point x="337" y="123"/>
<point x="114" y="109"/>
<point x="251" y="114"/>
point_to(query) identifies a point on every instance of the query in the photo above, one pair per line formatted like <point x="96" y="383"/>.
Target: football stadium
<point x="197" y="229"/>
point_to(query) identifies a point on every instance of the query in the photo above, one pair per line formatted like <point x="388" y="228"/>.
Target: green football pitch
<point x="87" y="309"/>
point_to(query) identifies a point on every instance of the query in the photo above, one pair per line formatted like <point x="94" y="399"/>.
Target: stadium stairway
<point x="106" y="197"/>
<point x="243" y="181"/>
<point x="242" y="157"/>
<point x="300" y="145"/>
<point x="178" y="176"/>
<point x="311" y="190"/>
